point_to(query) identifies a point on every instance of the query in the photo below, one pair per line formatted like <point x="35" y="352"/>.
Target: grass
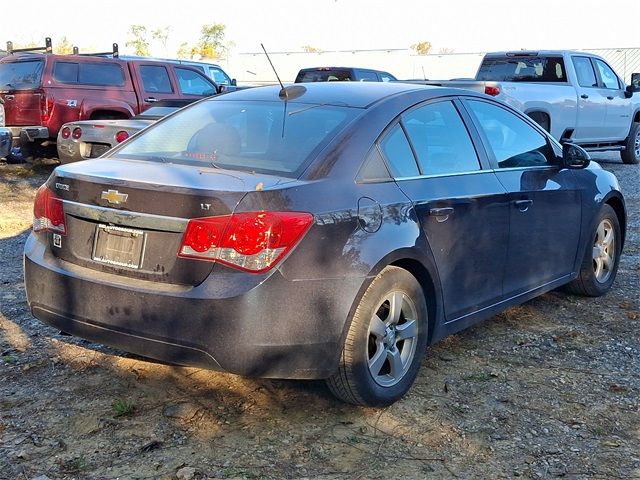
<point x="123" y="408"/>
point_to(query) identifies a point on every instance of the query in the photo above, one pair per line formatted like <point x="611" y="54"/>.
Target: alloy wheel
<point x="604" y="250"/>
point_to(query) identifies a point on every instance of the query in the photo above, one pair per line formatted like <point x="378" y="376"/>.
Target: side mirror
<point x="628" y="92"/>
<point x="234" y="83"/>
<point x="635" y="82"/>
<point x="574" y="157"/>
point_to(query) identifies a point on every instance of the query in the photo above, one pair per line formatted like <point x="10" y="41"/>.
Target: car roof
<point x="348" y="94"/>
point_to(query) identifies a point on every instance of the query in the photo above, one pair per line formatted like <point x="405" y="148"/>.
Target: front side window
<point x="440" y="139"/>
<point x="155" y="79"/>
<point x="366" y="75"/>
<point x="608" y="76"/>
<point x="584" y="72"/>
<point x="219" y="76"/>
<point x="269" y="137"/>
<point x="397" y="151"/>
<point x="21" y="75"/>
<point x="514" y="142"/>
<point x="193" y="83"/>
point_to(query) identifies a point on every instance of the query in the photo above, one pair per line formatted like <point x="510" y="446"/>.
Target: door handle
<point x="584" y="95"/>
<point x="522" y="205"/>
<point x="150" y="99"/>
<point x="441" y="214"/>
<point x="609" y="98"/>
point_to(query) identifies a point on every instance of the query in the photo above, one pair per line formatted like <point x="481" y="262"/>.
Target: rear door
<point x="544" y="199"/>
<point x="154" y="81"/>
<point x="20" y="88"/>
<point x="462" y="208"/>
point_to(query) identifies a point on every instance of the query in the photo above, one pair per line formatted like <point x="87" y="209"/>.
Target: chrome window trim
<point x="124" y="218"/>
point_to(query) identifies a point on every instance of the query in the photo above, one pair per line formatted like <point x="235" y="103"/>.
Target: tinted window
<point x="386" y="77"/>
<point x="584" y="72"/>
<point x="21" y="74"/>
<point x="607" y="75"/>
<point x="324" y="75"/>
<point x="100" y="74"/>
<point x="373" y="169"/>
<point x="219" y="76"/>
<point x="366" y="75"/>
<point x="65" y="72"/>
<point x="256" y="136"/>
<point x="514" y="142"/>
<point x="523" y="69"/>
<point x="155" y="79"/>
<point x="397" y="151"/>
<point x="440" y="139"/>
<point x="193" y="83"/>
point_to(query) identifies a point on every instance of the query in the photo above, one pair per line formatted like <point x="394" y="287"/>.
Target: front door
<point x="544" y="200"/>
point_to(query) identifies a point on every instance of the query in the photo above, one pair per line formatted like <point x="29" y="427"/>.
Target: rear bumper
<point x="273" y="328"/>
<point x="28" y="134"/>
<point x="5" y="142"/>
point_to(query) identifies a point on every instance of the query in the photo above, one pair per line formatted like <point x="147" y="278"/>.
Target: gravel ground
<point x="547" y="389"/>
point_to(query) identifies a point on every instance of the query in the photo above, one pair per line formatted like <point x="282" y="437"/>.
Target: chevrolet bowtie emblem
<point x="114" y="196"/>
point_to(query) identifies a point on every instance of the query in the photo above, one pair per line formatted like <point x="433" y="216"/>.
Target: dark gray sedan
<point x="321" y="231"/>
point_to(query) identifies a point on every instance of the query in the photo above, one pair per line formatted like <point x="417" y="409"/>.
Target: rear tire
<point x="631" y="154"/>
<point x="385" y="343"/>
<point x="600" y="263"/>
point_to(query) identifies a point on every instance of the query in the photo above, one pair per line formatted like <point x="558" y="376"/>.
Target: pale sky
<point x="287" y="25"/>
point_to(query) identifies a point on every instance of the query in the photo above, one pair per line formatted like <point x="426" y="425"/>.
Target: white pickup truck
<point x="576" y="96"/>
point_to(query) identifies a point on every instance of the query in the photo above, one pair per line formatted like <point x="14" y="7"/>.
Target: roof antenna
<point x="283" y="91"/>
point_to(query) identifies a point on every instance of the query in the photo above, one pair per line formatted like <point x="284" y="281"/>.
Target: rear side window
<point x="193" y="83"/>
<point x="155" y="79"/>
<point x="21" y="75"/>
<point x="584" y="72"/>
<point x="107" y="74"/>
<point x="270" y="137"/>
<point x="440" y="139"/>
<point x="522" y="69"/>
<point x="397" y="151"/>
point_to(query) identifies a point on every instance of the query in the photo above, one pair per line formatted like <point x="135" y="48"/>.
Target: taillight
<point x="65" y="132"/>
<point x="121" y="136"/>
<point x="253" y="241"/>
<point x="492" y="90"/>
<point x="77" y="133"/>
<point x="48" y="212"/>
<point x="46" y="108"/>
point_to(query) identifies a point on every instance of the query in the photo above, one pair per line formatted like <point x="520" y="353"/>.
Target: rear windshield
<point x="21" y="75"/>
<point x="324" y="76"/>
<point x="267" y="137"/>
<point x="522" y="69"/>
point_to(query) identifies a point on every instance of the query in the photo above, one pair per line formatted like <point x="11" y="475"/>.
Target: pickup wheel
<point x="631" y="154"/>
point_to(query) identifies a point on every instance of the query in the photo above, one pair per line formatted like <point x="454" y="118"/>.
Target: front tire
<point x="600" y="264"/>
<point x="631" y="154"/>
<point x="385" y="343"/>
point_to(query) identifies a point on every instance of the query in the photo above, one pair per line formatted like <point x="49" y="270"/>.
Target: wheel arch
<point x="617" y="203"/>
<point x="539" y="115"/>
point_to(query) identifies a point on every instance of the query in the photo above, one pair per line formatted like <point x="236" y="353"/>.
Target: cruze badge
<point x="114" y="196"/>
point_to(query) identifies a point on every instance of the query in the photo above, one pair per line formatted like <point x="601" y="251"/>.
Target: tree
<point x="64" y="47"/>
<point x="162" y="35"/>
<point x="139" y="43"/>
<point x="445" y="51"/>
<point x="422" y="48"/>
<point x="310" y="49"/>
<point x="184" y="51"/>
<point x="211" y="43"/>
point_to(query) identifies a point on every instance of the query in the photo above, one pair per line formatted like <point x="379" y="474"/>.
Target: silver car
<point x="91" y="138"/>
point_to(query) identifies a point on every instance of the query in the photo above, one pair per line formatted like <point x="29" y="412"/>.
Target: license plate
<point x="123" y="247"/>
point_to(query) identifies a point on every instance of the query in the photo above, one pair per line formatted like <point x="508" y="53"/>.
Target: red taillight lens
<point x="253" y="241"/>
<point x="77" y="133"/>
<point x="46" y="108"/>
<point x="121" y="136"/>
<point x="48" y="212"/>
<point x="492" y="90"/>
<point x="65" y="132"/>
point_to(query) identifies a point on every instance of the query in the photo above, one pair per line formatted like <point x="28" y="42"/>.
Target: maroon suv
<point x="43" y="91"/>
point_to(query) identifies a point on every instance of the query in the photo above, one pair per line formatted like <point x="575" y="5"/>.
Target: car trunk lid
<point x="121" y="221"/>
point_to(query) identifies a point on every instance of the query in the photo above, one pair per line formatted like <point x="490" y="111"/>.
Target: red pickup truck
<point x="41" y="91"/>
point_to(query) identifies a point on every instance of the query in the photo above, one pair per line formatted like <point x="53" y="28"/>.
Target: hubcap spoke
<point x="396" y="307"/>
<point x="608" y="238"/>
<point x="395" y="362"/>
<point x="377" y="361"/>
<point x="598" y="267"/>
<point x="407" y="330"/>
<point x="378" y="328"/>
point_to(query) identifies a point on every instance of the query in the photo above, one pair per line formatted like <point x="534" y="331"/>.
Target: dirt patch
<point x="547" y="389"/>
